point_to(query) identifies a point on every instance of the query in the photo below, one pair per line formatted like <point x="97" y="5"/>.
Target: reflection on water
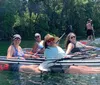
<point x="9" y="78"/>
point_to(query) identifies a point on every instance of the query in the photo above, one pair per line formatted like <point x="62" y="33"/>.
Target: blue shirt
<point x="54" y="53"/>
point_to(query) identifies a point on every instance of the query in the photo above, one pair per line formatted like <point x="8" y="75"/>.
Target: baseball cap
<point x="37" y="34"/>
<point x="16" y="36"/>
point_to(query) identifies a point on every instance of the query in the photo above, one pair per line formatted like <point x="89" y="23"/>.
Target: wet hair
<point x="67" y="39"/>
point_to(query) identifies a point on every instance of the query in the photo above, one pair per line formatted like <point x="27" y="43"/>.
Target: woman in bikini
<point x="15" y="52"/>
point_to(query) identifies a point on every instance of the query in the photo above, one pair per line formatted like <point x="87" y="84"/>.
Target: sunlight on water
<point x="8" y="78"/>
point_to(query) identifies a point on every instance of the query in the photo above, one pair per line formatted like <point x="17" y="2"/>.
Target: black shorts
<point x="89" y="32"/>
<point x="58" y="68"/>
<point x="14" y="67"/>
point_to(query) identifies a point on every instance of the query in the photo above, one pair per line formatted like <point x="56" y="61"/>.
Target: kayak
<point x="4" y="63"/>
<point x="84" y="42"/>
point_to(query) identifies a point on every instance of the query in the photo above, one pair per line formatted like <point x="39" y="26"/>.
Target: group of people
<point x="51" y="50"/>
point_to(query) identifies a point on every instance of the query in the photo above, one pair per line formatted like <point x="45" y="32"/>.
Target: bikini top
<point x="75" y="49"/>
<point x="40" y="45"/>
<point x="18" y="53"/>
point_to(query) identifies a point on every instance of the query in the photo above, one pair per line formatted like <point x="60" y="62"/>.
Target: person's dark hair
<point x="67" y="42"/>
<point x="67" y="39"/>
<point x="45" y="45"/>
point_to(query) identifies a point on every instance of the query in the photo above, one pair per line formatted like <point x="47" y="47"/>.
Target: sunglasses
<point x="72" y="37"/>
<point x="52" y="39"/>
<point x="37" y="36"/>
<point x="17" y="39"/>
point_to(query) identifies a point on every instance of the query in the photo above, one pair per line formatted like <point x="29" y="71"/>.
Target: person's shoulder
<point x="58" y="47"/>
<point x="71" y="44"/>
<point x="42" y="41"/>
<point x="36" y="43"/>
<point x="20" y="47"/>
<point x="10" y="48"/>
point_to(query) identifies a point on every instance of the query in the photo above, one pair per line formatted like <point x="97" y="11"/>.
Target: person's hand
<point x="68" y="56"/>
<point x="77" y="53"/>
<point x="35" y="56"/>
<point x="21" y="58"/>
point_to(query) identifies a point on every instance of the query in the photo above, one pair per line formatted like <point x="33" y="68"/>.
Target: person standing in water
<point x="90" y="30"/>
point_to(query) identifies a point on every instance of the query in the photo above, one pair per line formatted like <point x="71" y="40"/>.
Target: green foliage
<point x="47" y="16"/>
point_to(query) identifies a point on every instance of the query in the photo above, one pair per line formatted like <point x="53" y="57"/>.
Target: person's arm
<point x="90" y="47"/>
<point x="10" y="54"/>
<point x="87" y="47"/>
<point x="69" y="48"/>
<point x="35" y="47"/>
<point x="30" y="56"/>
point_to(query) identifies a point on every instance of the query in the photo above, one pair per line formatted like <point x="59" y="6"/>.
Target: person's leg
<point x="29" y="68"/>
<point x="83" y="70"/>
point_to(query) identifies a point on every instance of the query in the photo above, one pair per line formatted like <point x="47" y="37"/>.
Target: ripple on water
<point x="8" y="78"/>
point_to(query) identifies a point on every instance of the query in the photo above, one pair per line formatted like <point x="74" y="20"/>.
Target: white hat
<point x="16" y="36"/>
<point x="37" y="34"/>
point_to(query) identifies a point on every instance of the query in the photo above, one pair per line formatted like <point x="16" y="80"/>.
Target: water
<point x="6" y="78"/>
<point x="10" y="78"/>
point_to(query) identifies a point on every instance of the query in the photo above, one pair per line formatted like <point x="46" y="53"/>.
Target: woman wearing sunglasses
<point x="73" y="46"/>
<point x="38" y="46"/>
<point x="15" y="52"/>
<point x="53" y="51"/>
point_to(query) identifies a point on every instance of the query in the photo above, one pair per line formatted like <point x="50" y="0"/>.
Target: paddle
<point x="62" y="36"/>
<point x="41" y="47"/>
<point x="72" y="58"/>
<point x="56" y="42"/>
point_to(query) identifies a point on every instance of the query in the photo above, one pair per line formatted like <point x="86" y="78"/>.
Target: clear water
<point x="10" y="78"/>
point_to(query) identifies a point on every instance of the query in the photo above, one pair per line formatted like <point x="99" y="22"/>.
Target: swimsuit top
<point x="40" y="45"/>
<point x="75" y="49"/>
<point x="18" y="53"/>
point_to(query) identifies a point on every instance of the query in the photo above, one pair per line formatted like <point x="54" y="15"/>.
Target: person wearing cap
<point x="15" y="52"/>
<point x="53" y="51"/>
<point x="90" y="30"/>
<point x="38" y="46"/>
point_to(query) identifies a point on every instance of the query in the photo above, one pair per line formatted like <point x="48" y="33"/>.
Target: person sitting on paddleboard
<point x="38" y="46"/>
<point x="15" y="52"/>
<point x="53" y="51"/>
<point x="73" y="46"/>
